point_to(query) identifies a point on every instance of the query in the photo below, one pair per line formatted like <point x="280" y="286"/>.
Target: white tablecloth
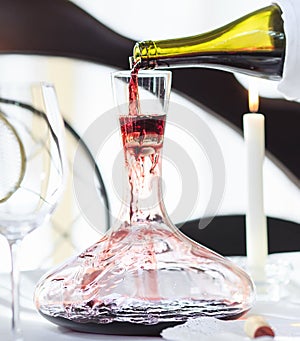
<point x="284" y="314"/>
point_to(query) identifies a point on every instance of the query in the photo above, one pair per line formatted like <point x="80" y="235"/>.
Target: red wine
<point x="101" y="318"/>
<point x="134" y="101"/>
<point x="142" y="130"/>
<point x="142" y="138"/>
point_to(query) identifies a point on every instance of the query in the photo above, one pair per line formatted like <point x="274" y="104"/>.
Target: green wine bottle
<point x="253" y="45"/>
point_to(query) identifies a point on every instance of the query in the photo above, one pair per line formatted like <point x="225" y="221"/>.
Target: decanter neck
<point x="143" y="197"/>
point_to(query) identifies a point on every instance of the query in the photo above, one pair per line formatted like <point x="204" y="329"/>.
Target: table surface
<point x="285" y="313"/>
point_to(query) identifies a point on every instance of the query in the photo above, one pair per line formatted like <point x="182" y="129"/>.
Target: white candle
<point x="256" y="222"/>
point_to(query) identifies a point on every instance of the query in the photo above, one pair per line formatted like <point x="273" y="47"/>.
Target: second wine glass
<point x="32" y="167"/>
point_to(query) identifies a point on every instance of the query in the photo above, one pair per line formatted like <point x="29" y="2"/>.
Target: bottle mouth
<point x="141" y="56"/>
<point x="136" y="56"/>
<point x="137" y="52"/>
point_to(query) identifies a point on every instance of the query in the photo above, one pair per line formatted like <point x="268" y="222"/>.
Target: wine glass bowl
<point x="32" y="166"/>
<point x="12" y="159"/>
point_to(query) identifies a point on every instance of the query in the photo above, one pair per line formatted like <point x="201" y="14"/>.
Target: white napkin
<point x="212" y="329"/>
<point x="205" y="329"/>
<point x="289" y="86"/>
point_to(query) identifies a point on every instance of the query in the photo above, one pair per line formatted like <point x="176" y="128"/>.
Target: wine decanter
<point x="144" y="274"/>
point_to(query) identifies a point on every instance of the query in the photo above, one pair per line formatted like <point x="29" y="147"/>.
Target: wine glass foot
<point x="17" y="335"/>
<point x="271" y="281"/>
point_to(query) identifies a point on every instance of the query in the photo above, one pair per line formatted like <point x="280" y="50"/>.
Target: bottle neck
<point x="254" y="44"/>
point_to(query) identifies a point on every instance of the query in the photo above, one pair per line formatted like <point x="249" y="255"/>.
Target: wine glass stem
<point x="14" y="251"/>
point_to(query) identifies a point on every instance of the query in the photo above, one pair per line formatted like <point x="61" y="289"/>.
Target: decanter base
<point x="121" y="328"/>
<point x="113" y="328"/>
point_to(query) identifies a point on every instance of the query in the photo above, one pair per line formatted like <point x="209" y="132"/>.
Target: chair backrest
<point x="59" y="28"/>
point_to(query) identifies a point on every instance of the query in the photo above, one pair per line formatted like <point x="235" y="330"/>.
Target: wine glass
<point x="32" y="167"/>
